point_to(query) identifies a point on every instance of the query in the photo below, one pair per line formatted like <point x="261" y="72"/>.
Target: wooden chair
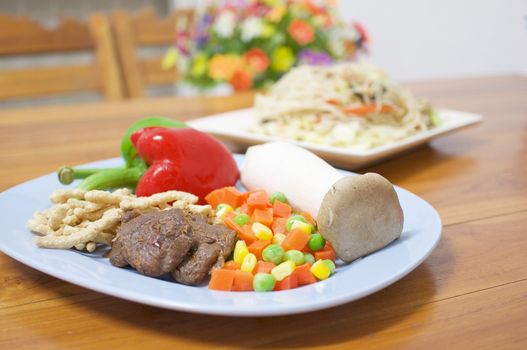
<point x="144" y="29"/>
<point x="24" y="36"/>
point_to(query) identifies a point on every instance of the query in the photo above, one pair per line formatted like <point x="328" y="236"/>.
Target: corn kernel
<point x="302" y="226"/>
<point x="278" y="238"/>
<point x="320" y="269"/>
<point x="261" y="231"/>
<point x="240" y="251"/>
<point x="222" y="211"/>
<point x="248" y="263"/>
<point x="283" y="270"/>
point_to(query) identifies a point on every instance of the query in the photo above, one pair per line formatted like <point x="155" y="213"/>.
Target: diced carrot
<point x="328" y="246"/>
<point x="263" y="216"/>
<point x="246" y="233"/>
<point x="325" y="254"/>
<point x="231" y="265"/>
<point x="214" y="198"/>
<point x="289" y="282"/>
<point x="304" y="275"/>
<point x="244" y="208"/>
<point x="243" y="197"/>
<point x="278" y="225"/>
<point x="230" y="223"/>
<point x="307" y="250"/>
<point x="257" y="247"/>
<point x="257" y="199"/>
<point x="309" y="218"/>
<point x="367" y="109"/>
<point x="263" y="267"/>
<point x="231" y="214"/>
<point x="227" y="195"/>
<point x="296" y="239"/>
<point x="281" y="209"/>
<point x="333" y="101"/>
<point x="243" y="281"/>
<point x="221" y="279"/>
<point x="233" y="197"/>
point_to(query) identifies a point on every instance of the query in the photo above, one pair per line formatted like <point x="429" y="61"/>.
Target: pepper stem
<point x="67" y="174"/>
<point x="112" y="178"/>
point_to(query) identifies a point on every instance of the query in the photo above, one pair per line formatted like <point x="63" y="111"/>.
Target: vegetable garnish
<point x="277" y="248"/>
<point x="161" y="154"/>
<point x="126" y="176"/>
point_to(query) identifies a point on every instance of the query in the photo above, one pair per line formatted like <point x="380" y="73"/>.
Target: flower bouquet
<point x="251" y="44"/>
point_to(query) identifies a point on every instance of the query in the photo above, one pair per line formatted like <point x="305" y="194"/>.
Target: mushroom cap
<point x="359" y="215"/>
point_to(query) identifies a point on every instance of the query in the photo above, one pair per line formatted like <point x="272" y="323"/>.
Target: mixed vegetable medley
<point x="277" y="249"/>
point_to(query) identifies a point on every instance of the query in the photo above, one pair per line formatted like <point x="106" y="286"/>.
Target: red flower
<point x="301" y="32"/>
<point x="362" y="32"/>
<point x="257" y="60"/>
<point x="241" y="80"/>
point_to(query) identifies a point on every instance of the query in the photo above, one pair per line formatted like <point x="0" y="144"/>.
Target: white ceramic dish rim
<point x="233" y="125"/>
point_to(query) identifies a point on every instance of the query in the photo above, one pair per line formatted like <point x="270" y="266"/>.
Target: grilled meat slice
<point x="153" y="243"/>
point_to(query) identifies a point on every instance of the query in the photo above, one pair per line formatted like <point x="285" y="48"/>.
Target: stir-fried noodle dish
<point x="354" y="106"/>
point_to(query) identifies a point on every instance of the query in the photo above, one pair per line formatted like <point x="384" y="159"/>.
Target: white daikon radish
<point x="282" y="167"/>
<point x="356" y="214"/>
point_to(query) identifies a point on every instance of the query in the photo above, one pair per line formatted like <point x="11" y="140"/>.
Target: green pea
<point x="273" y="253"/>
<point x="309" y="258"/>
<point x="278" y="196"/>
<point x="295" y="256"/>
<point x="331" y="265"/>
<point x="242" y="219"/>
<point x="316" y="242"/>
<point x="263" y="282"/>
<point x="292" y="219"/>
<point x="221" y="206"/>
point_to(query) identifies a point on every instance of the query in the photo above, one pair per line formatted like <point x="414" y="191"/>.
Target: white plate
<point x="422" y="229"/>
<point x="231" y="127"/>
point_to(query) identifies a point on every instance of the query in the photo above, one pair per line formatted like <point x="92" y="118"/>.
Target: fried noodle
<point x="350" y="105"/>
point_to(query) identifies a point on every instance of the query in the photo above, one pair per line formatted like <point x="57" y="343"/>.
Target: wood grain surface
<point x="471" y="293"/>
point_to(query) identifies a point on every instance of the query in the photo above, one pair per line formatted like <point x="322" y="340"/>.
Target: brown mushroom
<point x="359" y="215"/>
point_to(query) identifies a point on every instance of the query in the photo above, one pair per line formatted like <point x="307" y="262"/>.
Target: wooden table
<point x="470" y="293"/>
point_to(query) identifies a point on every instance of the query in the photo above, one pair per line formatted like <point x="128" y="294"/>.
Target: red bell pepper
<point x="183" y="159"/>
<point x="162" y="158"/>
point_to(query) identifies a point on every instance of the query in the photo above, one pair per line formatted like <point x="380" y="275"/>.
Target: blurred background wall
<point x="430" y="39"/>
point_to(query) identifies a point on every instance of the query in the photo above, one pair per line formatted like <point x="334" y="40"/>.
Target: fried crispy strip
<point x="91" y="246"/>
<point x="84" y="206"/>
<point x="157" y="199"/>
<point x="63" y="194"/>
<point x="200" y="209"/>
<point x="82" y="235"/>
<point x="56" y="215"/>
<point x="40" y="227"/>
<point x="104" y="237"/>
<point x="105" y="197"/>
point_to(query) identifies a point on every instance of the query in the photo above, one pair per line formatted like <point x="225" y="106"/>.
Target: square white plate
<point x="231" y="127"/>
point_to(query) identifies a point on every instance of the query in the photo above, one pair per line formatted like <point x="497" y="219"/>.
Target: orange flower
<point x="276" y="13"/>
<point x="222" y="67"/>
<point x="257" y="60"/>
<point x="241" y="80"/>
<point x="301" y="31"/>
